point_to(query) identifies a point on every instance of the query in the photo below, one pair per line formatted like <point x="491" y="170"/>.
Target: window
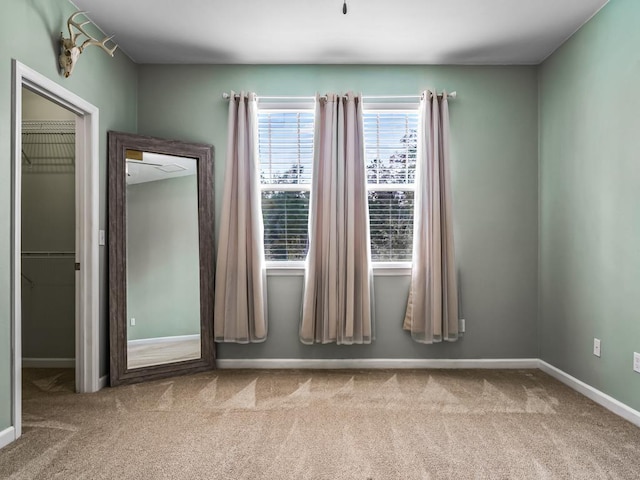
<point x="285" y="147"/>
<point x="390" y="149"/>
<point x="285" y="139"/>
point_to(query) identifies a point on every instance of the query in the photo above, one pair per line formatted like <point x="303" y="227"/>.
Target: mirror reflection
<point x="162" y="259"/>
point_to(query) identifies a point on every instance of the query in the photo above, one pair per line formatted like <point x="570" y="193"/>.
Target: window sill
<point x="296" y="269"/>
<point x="392" y="269"/>
<point x="287" y="269"/>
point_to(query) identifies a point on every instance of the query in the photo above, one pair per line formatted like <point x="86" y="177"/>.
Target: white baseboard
<point x="103" y="382"/>
<point x="176" y="338"/>
<point x="588" y="391"/>
<point x="49" y="363"/>
<point x="364" y="363"/>
<point x="7" y="436"/>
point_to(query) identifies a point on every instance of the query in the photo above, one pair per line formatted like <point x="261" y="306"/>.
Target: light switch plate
<point x="101" y="237"/>
<point x="636" y="362"/>
<point x="596" y="347"/>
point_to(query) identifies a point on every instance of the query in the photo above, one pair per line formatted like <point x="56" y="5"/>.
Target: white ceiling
<point x="316" y="31"/>
<point x="157" y="166"/>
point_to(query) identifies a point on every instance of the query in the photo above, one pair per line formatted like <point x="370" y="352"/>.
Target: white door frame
<point x="87" y="286"/>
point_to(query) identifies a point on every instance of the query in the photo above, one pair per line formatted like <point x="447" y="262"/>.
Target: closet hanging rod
<point x="451" y="95"/>
<point x="48" y="254"/>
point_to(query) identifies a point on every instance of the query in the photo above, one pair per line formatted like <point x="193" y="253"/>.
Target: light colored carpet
<point x="334" y="425"/>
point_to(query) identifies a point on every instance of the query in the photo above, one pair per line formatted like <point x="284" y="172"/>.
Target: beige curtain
<point x="432" y="308"/>
<point x="338" y="280"/>
<point x="240" y="312"/>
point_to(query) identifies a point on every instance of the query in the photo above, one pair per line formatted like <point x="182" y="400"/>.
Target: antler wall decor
<point x="70" y="50"/>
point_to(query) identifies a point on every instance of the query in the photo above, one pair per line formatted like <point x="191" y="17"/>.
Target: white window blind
<point x="285" y="146"/>
<point x="390" y="148"/>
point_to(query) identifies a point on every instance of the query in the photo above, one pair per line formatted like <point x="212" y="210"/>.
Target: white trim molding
<point x="7" y="436"/>
<point x="49" y="362"/>
<point x="375" y="363"/>
<point x="87" y="242"/>
<point x="594" y="394"/>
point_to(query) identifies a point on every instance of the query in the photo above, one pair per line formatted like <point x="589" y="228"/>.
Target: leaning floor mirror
<point x="160" y="257"/>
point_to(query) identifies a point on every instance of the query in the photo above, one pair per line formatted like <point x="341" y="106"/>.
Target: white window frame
<point x="382" y="268"/>
<point x="297" y="267"/>
<point x="285" y="267"/>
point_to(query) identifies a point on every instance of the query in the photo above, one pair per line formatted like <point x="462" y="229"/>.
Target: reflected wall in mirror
<point x="163" y="290"/>
<point x="161" y="250"/>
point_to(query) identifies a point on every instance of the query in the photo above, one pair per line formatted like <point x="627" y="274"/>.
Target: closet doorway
<point x="48" y="247"/>
<point x="86" y="245"/>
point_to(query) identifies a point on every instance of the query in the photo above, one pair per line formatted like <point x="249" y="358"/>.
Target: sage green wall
<point x="48" y="302"/>
<point x="494" y="150"/>
<point x="29" y="32"/>
<point x="36" y="107"/>
<point x="48" y="308"/>
<point x="590" y="200"/>
<point x="48" y="224"/>
<point x="163" y="270"/>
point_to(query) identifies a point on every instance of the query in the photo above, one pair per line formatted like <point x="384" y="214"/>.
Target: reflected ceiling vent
<point x="171" y="168"/>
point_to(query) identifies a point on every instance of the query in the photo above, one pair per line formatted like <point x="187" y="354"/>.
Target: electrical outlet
<point x="133" y="322"/>
<point x="596" y="347"/>
<point x="462" y="325"/>
<point x="636" y="362"/>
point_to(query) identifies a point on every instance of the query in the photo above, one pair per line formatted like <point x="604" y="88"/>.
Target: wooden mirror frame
<point x="118" y="144"/>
